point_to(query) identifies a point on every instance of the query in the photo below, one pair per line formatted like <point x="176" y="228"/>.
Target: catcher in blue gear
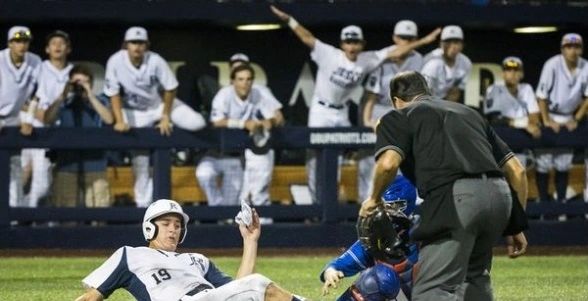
<point x="382" y="253"/>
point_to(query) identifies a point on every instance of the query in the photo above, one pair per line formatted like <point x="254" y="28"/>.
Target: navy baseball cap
<point x="512" y="62"/>
<point x="58" y="33"/>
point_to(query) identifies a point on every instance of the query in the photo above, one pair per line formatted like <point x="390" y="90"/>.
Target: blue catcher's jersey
<point x="356" y="258"/>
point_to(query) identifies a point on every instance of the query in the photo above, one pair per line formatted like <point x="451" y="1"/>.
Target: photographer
<point x="81" y="174"/>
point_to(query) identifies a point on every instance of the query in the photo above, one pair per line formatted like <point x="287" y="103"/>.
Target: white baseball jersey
<point x="337" y="75"/>
<point x="138" y="87"/>
<point x="441" y="77"/>
<point x="258" y="105"/>
<point x="563" y="91"/>
<point x="500" y="100"/>
<point x="17" y="84"/>
<point x="151" y="274"/>
<point x="379" y="80"/>
<point x="52" y="82"/>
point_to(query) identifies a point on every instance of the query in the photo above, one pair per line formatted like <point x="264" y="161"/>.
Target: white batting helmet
<point x="157" y="209"/>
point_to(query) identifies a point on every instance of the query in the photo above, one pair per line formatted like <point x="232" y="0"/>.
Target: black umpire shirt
<point x="440" y="142"/>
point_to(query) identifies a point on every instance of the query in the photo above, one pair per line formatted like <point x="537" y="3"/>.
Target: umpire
<point x="459" y="165"/>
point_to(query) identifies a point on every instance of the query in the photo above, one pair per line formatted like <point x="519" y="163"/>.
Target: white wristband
<point x="292" y="23"/>
<point x="236" y="124"/>
<point x="520" y="123"/>
<point x="27" y="118"/>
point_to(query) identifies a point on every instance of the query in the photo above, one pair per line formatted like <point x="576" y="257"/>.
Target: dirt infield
<point x="533" y="251"/>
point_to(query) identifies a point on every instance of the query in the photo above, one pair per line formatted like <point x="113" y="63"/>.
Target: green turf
<point x="528" y="278"/>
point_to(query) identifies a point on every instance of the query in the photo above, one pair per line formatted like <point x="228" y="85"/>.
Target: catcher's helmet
<point x="157" y="209"/>
<point x="401" y="195"/>
<point x="377" y="283"/>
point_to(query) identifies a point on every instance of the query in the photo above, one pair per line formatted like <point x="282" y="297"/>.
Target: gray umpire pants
<point x="457" y="266"/>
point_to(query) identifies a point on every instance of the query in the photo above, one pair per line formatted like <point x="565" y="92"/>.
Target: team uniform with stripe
<point x="500" y="102"/>
<point x="139" y="89"/>
<point x="441" y="77"/>
<point x="336" y="79"/>
<point x="157" y="275"/>
<point x="378" y="82"/>
<point x="52" y="82"/>
<point x="259" y="104"/>
<point x="17" y="86"/>
<point x="564" y="93"/>
<point x="259" y="167"/>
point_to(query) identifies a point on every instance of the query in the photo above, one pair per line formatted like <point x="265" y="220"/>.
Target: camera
<point x="78" y="89"/>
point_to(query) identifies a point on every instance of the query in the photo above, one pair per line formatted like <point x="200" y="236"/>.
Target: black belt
<point x="488" y="174"/>
<point x="198" y="289"/>
<point x="332" y="106"/>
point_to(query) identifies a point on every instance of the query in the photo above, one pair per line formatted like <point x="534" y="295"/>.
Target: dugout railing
<point x="332" y="220"/>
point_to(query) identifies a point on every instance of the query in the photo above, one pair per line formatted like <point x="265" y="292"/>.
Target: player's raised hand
<point x="432" y="36"/>
<point x="252" y="232"/>
<point x="165" y="126"/>
<point x="332" y="278"/>
<point x="280" y="14"/>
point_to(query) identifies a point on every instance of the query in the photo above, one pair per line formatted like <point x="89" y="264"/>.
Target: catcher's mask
<point x="157" y="209"/>
<point x="384" y="233"/>
<point x="400" y="195"/>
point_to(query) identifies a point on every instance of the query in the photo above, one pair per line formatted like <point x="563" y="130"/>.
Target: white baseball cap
<point x="351" y="33"/>
<point x="241" y="57"/>
<point x="406" y="28"/>
<point x="451" y="32"/>
<point x="19" y="33"/>
<point x="136" y="33"/>
<point x="571" y="39"/>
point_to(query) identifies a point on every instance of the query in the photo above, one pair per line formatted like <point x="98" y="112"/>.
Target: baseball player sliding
<point x="159" y="273"/>
<point x="134" y="77"/>
<point x="339" y="72"/>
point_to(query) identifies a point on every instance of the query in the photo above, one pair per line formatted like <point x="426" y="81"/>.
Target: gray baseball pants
<point x="457" y="266"/>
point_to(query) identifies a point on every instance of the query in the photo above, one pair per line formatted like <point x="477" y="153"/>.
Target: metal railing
<point x="328" y="142"/>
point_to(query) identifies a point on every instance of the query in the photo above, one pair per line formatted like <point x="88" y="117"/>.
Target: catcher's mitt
<point x="384" y="234"/>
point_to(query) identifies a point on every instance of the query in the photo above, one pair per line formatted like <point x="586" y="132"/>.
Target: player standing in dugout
<point x="340" y="71"/>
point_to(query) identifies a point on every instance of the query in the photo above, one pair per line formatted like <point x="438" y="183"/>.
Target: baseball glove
<point x="384" y="234"/>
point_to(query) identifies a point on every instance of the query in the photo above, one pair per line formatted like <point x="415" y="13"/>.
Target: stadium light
<point x="252" y="27"/>
<point x="535" y="29"/>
